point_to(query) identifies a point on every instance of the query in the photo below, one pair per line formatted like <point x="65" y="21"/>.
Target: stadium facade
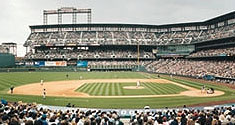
<point x="126" y="46"/>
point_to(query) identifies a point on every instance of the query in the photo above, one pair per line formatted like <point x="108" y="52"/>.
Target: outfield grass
<point x="116" y="89"/>
<point x="20" y="78"/>
<point x="17" y="79"/>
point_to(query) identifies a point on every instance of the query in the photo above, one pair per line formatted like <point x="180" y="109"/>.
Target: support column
<point x="44" y="19"/>
<point x="59" y="18"/>
<point x="74" y="18"/>
<point x="89" y="18"/>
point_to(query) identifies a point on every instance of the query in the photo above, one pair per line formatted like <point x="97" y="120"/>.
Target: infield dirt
<point x="67" y="88"/>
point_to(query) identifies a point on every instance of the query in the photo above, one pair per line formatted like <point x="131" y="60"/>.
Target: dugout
<point x="7" y="60"/>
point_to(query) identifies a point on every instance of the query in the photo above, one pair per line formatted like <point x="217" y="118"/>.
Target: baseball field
<point x="122" y="89"/>
<point x="111" y="89"/>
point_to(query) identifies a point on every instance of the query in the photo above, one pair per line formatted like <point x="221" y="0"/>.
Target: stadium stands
<point x="218" y="33"/>
<point x="128" y="38"/>
<point x="68" y="38"/>
<point x="194" y="68"/>
<point x="168" y="49"/>
<point x="74" y="54"/>
<point x="111" y="38"/>
<point x="29" y="114"/>
<point x="185" y="117"/>
<point x="214" y="52"/>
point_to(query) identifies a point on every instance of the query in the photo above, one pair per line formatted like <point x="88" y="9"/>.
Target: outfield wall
<point x="7" y="60"/>
<point x="44" y="69"/>
<point x="68" y="69"/>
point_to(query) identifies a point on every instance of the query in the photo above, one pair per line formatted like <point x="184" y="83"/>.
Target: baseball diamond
<point x="160" y="92"/>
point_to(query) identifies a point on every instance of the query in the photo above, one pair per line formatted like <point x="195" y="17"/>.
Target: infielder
<point x="44" y="94"/>
<point x="41" y="82"/>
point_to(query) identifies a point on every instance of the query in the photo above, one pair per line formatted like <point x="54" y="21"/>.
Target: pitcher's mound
<point x="133" y="87"/>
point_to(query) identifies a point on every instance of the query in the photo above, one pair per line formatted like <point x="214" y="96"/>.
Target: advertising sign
<point x="55" y="63"/>
<point x="39" y="63"/>
<point x="82" y="64"/>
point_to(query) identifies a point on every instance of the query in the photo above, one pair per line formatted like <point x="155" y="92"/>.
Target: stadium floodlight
<point x="66" y="10"/>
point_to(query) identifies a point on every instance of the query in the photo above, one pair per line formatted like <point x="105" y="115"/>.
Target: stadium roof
<point x="114" y="25"/>
<point x="221" y="18"/>
<point x="203" y="23"/>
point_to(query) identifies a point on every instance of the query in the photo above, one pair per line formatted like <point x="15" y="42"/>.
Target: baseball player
<point x="138" y="84"/>
<point x="67" y="75"/>
<point x="12" y="88"/>
<point x="44" y="94"/>
<point x="41" y="82"/>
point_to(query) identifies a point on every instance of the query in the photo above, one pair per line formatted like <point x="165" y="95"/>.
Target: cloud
<point x="17" y="15"/>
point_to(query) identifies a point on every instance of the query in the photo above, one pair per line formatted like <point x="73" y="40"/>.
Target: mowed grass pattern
<point x="116" y="89"/>
<point x="22" y="78"/>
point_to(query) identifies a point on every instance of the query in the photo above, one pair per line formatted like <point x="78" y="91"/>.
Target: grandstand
<point x="127" y="46"/>
<point x="42" y="115"/>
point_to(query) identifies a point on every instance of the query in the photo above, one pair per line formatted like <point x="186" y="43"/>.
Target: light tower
<point x="66" y="10"/>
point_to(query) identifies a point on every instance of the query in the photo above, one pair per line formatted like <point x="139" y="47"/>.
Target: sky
<point x="17" y="15"/>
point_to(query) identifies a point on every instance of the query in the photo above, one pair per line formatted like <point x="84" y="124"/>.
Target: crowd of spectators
<point x="117" y="63"/>
<point x="229" y="81"/>
<point x="111" y="38"/>
<point x="193" y="68"/>
<point x="18" y="113"/>
<point x="129" y="38"/>
<point x="214" y="52"/>
<point x="217" y="116"/>
<point x="217" y="33"/>
<point x="177" y="37"/>
<point x="83" y="54"/>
